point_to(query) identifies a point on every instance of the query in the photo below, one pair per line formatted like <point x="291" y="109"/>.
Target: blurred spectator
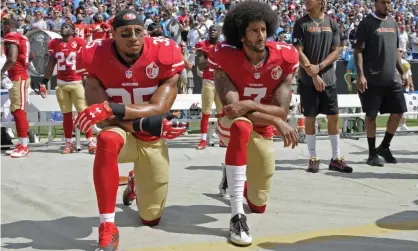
<point x="38" y="22"/>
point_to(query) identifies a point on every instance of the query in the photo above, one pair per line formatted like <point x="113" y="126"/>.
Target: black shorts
<point x="383" y="99"/>
<point x="314" y="102"/>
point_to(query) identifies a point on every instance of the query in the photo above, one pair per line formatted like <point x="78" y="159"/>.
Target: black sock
<point x="372" y="145"/>
<point x="386" y="140"/>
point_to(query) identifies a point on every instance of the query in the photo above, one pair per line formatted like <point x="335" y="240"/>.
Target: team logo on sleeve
<point x="152" y="70"/>
<point x="276" y="73"/>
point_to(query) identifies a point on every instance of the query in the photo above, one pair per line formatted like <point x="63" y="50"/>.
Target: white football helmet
<point x="195" y="111"/>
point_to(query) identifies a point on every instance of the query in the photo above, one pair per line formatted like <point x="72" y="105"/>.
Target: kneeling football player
<point x="256" y="98"/>
<point x="131" y="86"/>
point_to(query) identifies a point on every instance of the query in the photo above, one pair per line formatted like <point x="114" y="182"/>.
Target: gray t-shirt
<point x="379" y="39"/>
<point x="317" y="39"/>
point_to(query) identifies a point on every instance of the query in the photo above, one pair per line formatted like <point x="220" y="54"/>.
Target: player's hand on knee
<point x="361" y="83"/>
<point x="92" y="115"/>
<point x="319" y="83"/>
<point x="287" y="132"/>
<point x="42" y="91"/>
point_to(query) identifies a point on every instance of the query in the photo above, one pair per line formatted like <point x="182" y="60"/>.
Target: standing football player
<point x="377" y="56"/>
<point x="17" y="59"/>
<point x="208" y="89"/>
<point x="253" y="80"/>
<point x="131" y="86"/>
<point x="317" y="39"/>
<point x="70" y="90"/>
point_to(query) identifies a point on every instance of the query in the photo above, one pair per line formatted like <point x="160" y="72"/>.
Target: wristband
<point x="151" y="125"/>
<point x="45" y="81"/>
<point x="118" y="110"/>
<point x="137" y="125"/>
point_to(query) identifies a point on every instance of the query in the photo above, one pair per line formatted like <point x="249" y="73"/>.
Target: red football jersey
<point x="100" y="33"/>
<point x="66" y="54"/>
<point x="82" y="30"/>
<point x="252" y="83"/>
<point x="205" y="47"/>
<point x="18" y="70"/>
<point x="161" y="59"/>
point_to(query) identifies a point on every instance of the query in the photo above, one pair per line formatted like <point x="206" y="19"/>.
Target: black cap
<point x="127" y="17"/>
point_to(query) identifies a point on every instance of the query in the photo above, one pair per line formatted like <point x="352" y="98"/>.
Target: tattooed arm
<point x="226" y="90"/>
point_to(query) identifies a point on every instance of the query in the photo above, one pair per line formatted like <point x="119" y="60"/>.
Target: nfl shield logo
<point x="128" y="74"/>
<point x="257" y="75"/>
<point x="152" y="70"/>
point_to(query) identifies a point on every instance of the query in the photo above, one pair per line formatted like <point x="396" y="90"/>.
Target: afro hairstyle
<point x="241" y="15"/>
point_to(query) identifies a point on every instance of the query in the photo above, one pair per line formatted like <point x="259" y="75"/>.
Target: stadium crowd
<point x="189" y="20"/>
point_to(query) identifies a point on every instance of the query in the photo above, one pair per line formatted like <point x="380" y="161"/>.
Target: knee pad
<point x="153" y="216"/>
<point x="151" y="223"/>
<point x="254" y="208"/>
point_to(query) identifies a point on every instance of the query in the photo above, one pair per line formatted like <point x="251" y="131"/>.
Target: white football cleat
<point x="223" y="185"/>
<point x="239" y="232"/>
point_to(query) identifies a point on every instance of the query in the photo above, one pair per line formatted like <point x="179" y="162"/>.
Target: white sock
<point x="68" y="140"/>
<point x="335" y="145"/>
<point x="203" y="136"/>
<point x="23" y="141"/>
<point x="236" y="176"/>
<point x="311" y="140"/>
<point x="107" y="218"/>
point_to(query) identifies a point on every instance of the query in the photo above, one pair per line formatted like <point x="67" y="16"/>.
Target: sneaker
<point x="313" y="165"/>
<point x="239" y="232"/>
<point x="108" y="237"/>
<point x="221" y="143"/>
<point x="339" y="165"/>
<point x="68" y="148"/>
<point x="20" y="151"/>
<point x="403" y="127"/>
<point x="92" y="147"/>
<point x="8" y="152"/>
<point x="129" y="194"/>
<point x="374" y="160"/>
<point x="386" y="154"/>
<point x="223" y="185"/>
<point x="202" y="145"/>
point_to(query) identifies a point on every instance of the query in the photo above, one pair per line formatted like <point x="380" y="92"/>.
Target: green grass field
<point x="57" y="131"/>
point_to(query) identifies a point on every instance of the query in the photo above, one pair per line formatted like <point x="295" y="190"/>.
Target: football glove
<point x="6" y="82"/>
<point x="160" y="126"/>
<point x="92" y="115"/>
